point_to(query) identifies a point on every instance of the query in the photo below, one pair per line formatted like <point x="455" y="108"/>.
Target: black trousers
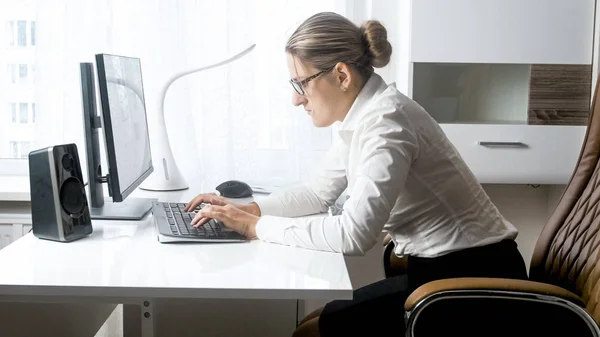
<point x="378" y="309"/>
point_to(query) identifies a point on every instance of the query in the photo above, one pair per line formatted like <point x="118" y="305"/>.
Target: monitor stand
<point x="128" y="209"/>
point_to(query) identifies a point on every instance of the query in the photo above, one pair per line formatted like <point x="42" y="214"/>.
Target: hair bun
<point x="378" y="47"/>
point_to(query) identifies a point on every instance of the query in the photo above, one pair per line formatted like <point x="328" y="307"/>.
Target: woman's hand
<point x="232" y="216"/>
<point x="207" y="198"/>
<point x="213" y="199"/>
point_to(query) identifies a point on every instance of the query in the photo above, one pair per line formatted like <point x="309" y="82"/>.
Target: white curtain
<point x="233" y="122"/>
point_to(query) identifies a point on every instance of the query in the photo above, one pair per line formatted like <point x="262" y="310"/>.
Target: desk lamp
<point x="166" y="175"/>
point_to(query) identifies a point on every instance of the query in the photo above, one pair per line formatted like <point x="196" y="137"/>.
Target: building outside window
<point x="23" y="74"/>
<point x="20" y="149"/>
<point x="10" y="33"/>
<point x="12" y="107"/>
<point x="23" y="113"/>
<point x="22" y="33"/>
<point x="32" y="33"/>
<point x="17" y="99"/>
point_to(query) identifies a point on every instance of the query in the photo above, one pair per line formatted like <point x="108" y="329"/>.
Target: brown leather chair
<point x="563" y="291"/>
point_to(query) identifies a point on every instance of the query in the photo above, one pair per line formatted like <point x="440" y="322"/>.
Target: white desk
<point x="122" y="262"/>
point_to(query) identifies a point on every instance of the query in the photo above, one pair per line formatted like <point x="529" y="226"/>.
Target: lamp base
<point x="156" y="183"/>
<point x="166" y="177"/>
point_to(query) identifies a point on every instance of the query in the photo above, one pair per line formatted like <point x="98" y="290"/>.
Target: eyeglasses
<point x="299" y="85"/>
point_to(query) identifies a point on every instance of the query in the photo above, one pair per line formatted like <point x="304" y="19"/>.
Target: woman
<point x="402" y="175"/>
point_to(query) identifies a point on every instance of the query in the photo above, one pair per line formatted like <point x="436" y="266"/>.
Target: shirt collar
<point x="374" y="86"/>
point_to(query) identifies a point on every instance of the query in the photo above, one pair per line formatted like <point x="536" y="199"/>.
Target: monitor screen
<point x="125" y="125"/>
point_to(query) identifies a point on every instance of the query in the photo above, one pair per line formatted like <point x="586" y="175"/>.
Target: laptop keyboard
<point x="180" y="222"/>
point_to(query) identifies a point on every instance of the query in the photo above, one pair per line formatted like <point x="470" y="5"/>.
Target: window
<point x="17" y="33"/>
<point x="17" y="86"/>
<point x="32" y="24"/>
<point x="22" y="73"/>
<point x="23" y="113"/>
<point x="20" y="149"/>
<point x="25" y="148"/>
<point x="11" y="71"/>
<point x="249" y="97"/>
<point x="14" y="149"/>
<point x="12" y="107"/>
<point x="22" y="33"/>
<point x="23" y="116"/>
<point x="10" y="33"/>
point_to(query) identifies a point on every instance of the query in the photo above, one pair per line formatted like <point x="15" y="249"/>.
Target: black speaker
<point x="59" y="206"/>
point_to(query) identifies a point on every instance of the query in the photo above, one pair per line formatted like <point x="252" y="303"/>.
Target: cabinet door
<point x="541" y="94"/>
<point x="502" y="31"/>
<point x="518" y="154"/>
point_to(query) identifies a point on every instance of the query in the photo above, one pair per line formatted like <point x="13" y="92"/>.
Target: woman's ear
<point x="343" y="75"/>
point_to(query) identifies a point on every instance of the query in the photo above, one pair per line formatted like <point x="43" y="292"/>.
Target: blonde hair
<point x="327" y="38"/>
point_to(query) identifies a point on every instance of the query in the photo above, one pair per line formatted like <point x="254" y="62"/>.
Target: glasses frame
<point x="299" y="85"/>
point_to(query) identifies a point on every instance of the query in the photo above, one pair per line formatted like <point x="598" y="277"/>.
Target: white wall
<point x="528" y="208"/>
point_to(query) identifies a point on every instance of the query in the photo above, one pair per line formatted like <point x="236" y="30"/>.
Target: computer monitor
<point x="126" y="136"/>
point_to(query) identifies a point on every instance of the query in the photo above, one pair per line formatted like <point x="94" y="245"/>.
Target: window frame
<point x="32" y="33"/>
<point x="20" y="113"/>
<point x="10" y="32"/>
<point x="14" y="166"/>
<point x="12" y="109"/>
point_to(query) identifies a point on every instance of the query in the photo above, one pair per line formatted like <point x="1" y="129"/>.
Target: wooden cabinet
<point x="509" y="81"/>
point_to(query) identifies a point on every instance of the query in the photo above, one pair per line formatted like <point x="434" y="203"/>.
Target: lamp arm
<point x="167" y="176"/>
<point x="163" y="92"/>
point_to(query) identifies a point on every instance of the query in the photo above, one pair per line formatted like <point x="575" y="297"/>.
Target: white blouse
<point x="402" y="176"/>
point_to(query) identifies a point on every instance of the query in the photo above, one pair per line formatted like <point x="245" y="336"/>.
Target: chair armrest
<point x="476" y="283"/>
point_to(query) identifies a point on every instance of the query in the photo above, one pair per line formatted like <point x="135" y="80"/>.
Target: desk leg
<point x="148" y="318"/>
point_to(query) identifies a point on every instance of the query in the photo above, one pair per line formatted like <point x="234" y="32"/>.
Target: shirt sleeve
<point x="314" y="196"/>
<point x="387" y="148"/>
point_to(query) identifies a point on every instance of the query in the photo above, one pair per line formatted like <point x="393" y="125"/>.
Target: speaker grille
<point x="67" y="162"/>
<point x="72" y="196"/>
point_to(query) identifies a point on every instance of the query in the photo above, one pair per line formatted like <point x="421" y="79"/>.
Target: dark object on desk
<point x="59" y="207"/>
<point x="234" y="189"/>
<point x="175" y="225"/>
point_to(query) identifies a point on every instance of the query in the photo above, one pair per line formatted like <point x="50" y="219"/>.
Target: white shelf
<point x="473" y="93"/>
<point x="14" y="188"/>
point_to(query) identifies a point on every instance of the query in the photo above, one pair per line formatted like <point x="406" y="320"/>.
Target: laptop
<point x="174" y="225"/>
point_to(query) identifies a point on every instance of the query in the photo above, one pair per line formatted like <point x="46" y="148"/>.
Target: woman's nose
<point x="298" y="99"/>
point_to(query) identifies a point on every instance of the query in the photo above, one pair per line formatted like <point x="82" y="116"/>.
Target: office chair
<point x="562" y="295"/>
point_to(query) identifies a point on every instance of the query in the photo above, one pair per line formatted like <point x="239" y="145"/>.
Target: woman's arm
<point x="314" y="196"/>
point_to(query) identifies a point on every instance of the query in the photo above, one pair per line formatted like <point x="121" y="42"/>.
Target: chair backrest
<point x="567" y="253"/>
